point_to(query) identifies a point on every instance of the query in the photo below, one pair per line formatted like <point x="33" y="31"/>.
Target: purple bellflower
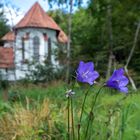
<point x="85" y="73"/>
<point x="118" y="81"/>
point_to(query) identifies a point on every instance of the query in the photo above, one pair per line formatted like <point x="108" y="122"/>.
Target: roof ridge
<point x="32" y="12"/>
<point x="39" y="19"/>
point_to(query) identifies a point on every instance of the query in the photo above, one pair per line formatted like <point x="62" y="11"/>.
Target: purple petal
<point x="85" y="73"/>
<point x="89" y="66"/>
<point x="118" y="81"/>
<point x="79" y="77"/>
<point x="83" y="67"/>
<point x="117" y="74"/>
<point x="123" y="81"/>
<point x="124" y="89"/>
<point x="113" y="84"/>
<point x="95" y="75"/>
<point x="84" y="80"/>
<point x="90" y="82"/>
<point x="91" y="77"/>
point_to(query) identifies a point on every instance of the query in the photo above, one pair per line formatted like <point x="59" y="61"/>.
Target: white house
<point x="33" y="40"/>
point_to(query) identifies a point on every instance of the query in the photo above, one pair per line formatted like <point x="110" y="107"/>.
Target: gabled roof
<point x="37" y="17"/>
<point x="6" y="57"/>
<point x="10" y="36"/>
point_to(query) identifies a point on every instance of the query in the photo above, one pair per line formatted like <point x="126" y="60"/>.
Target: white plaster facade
<point x="21" y="67"/>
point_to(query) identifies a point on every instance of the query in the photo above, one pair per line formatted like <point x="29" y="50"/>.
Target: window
<point x="49" y="50"/>
<point x="23" y="48"/>
<point x="36" y="43"/>
<point x="45" y="36"/>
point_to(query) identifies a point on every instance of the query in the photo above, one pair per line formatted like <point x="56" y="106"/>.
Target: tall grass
<point x="40" y="113"/>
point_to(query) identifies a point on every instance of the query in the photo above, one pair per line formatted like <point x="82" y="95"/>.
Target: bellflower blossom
<point x="118" y="81"/>
<point x="85" y="73"/>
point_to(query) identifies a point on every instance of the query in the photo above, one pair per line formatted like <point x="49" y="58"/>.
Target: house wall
<point x="7" y="74"/>
<point x="9" y="44"/>
<point x="23" y="68"/>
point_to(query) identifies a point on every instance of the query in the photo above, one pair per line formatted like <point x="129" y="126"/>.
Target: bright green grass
<point x="116" y="116"/>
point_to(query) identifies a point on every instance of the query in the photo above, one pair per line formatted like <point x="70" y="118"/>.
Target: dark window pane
<point x="23" y="48"/>
<point x="36" y="43"/>
<point x="49" y="50"/>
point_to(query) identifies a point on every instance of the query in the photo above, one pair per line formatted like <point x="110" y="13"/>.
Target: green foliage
<point x="4" y="28"/>
<point x="4" y="84"/>
<point x="4" y="108"/>
<point x="43" y="73"/>
<point x="64" y="3"/>
<point x="90" y="36"/>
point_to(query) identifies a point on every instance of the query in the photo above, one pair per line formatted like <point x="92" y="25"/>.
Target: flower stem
<point x="68" y="118"/>
<point x="82" y="110"/>
<point x="90" y="119"/>
<point x="72" y="117"/>
<point x="70" y="112"/>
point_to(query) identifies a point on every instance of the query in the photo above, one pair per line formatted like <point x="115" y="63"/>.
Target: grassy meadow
<point x="39" y="112"/>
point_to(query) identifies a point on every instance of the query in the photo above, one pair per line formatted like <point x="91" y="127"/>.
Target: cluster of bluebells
<point x="86" y="74"/>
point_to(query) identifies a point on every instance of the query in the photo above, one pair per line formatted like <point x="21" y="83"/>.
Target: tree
<point x="4" y="28"/>
<point x="69" y="5"/>
<point x="124" y="20"/>
<point x="91" y="35"/>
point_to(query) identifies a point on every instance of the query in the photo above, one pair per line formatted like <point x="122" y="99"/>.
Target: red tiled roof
<point x="10" y="36"/>
<point x="37" y="17"/>
<point x="6" y="57"/>
<point x="62" y="37"/>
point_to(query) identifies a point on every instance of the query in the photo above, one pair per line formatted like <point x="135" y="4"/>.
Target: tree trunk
<point x="110" y="59"/>
<point x="69" y="42"/>
<point x="130" y="79"/>
<point x="109" y="65"/>
<point x="130" y="56"/>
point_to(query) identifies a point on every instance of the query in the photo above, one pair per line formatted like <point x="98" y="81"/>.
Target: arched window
<point x="23" y="48"/>
<point x="49" y="49"/>
<point x="36" y="43"/>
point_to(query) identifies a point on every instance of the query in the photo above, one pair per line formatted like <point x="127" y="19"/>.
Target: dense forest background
<point x="103" y="31"/>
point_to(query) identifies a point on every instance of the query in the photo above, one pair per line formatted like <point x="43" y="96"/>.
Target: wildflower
<point x="118" y="81"/>
<point x="85" y="73"/>
<point x="69" y="93"/>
